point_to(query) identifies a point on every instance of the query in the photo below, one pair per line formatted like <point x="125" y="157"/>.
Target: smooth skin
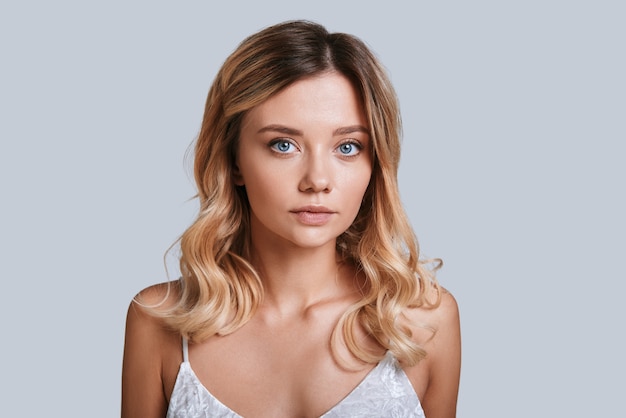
<point x="304" y="158"/>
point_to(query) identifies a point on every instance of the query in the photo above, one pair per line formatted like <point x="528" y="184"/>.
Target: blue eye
<point x="282" y="146"/>
<point x="349" y="149"/>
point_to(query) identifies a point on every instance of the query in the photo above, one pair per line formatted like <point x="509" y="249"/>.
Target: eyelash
<point x="355" y="144"/>
<point x="274" y="144"/>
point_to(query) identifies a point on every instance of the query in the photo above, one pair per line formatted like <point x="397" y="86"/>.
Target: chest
<point x="384" y="391"/>
<point x="286" y="372"/>
<point x="293" y="380"/>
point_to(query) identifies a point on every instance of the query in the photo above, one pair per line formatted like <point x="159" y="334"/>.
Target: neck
<point x="297" y="278"/>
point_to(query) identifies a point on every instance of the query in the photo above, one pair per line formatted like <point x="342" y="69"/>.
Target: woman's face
<point x="304" y="158"/>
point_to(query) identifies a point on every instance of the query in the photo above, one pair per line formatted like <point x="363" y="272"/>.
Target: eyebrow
<point x="281" y="129"/>
<point x="295" y="132"/>
<point x="351" y="129"/>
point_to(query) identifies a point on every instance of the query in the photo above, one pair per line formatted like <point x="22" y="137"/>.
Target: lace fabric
<point x="385" y="392"/>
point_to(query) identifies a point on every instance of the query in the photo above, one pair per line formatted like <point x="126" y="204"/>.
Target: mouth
<point x="313" y="209"/>
<point x="313" y="215"/>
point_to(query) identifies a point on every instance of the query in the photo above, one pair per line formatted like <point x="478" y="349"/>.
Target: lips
<point x="313" y="215"/>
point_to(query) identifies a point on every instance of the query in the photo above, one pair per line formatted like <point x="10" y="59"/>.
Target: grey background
<point x="512" y="172"/>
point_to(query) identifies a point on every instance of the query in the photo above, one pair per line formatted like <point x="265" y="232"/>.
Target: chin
<point x="311" y="242"/>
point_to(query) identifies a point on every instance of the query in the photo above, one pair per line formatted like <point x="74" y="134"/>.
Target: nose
<point x="317" y="174"/>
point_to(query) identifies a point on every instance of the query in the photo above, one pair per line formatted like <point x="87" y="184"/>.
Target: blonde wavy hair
<point x="219" y="288"/>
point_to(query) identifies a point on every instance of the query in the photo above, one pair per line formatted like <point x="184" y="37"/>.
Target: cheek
<point x="258" y="185"/>
<point x="252" y="173"/>
<point x="261" y="182"/>
<point x="357" y="186"/>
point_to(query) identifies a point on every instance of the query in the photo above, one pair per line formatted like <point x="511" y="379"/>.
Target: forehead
<point x="328" y="99"/>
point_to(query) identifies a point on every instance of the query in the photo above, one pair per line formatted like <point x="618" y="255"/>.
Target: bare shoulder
<point x="159" y="295"/>
<point x="436" y="378"/>
<point x="443" y="317"/>
<point x="149" y="349"/>
<point x="447" y="313"/>
<point x="143" y="312"/>
<point x="144" y="321"/>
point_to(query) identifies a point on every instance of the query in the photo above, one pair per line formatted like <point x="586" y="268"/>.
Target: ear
<point x="237" y="177"/>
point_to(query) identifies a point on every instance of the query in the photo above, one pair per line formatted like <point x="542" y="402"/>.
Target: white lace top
<point x="385" y="392"/>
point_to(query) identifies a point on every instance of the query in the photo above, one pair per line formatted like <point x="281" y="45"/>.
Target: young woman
<point x="302" y="293"/>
